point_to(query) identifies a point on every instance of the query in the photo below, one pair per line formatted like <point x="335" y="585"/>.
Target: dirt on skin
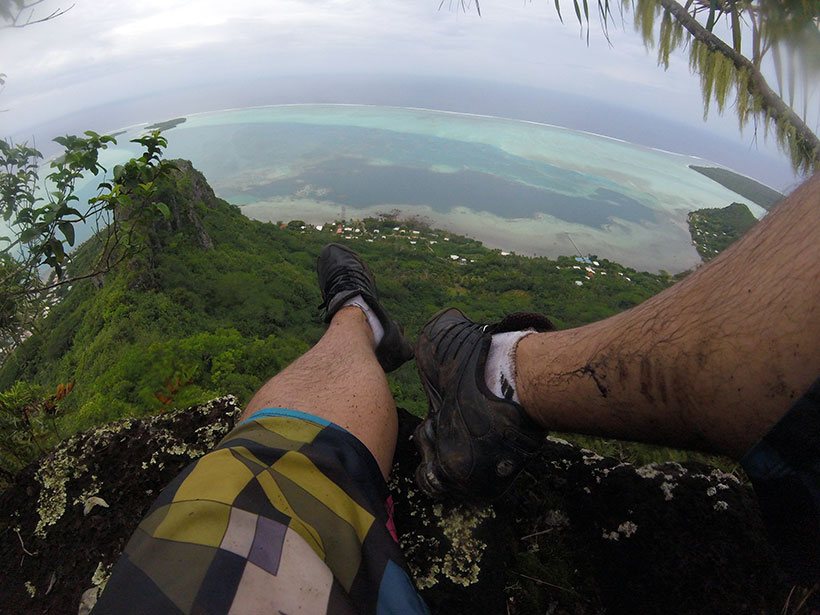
<point x="578" y="533"/>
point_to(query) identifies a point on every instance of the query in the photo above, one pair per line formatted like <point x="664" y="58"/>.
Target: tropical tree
<point x="41" y="217"/>
<point x="729" y="42"/>
<point x="787" y="30"/>
<point x="22" y="13"/>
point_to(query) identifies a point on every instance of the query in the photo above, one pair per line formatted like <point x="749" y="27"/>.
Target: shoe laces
<point x="345" y="279"/>
<point x="454" y="338"/>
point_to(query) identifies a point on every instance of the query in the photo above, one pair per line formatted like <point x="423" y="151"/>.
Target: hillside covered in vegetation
<point x="715" y="229"/>
<point x="216" y="303"/>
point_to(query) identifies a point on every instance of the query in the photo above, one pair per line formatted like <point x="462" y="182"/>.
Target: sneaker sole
<point x="428" y="476"/>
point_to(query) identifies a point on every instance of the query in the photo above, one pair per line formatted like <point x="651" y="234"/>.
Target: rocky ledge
<point x="578" y="533"/>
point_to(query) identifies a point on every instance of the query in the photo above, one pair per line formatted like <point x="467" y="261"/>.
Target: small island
<point x="744" y="186"/>
<point x="715" y="229"/>
<point x="167" y="124"/>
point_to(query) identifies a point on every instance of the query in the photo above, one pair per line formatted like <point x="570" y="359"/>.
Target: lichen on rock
<point x="577" y="533"/>
<point x="58" y="504"/>
<point x="450" y="547"/>
<point x="53" y="474"/>
<point x="461" y="562"/>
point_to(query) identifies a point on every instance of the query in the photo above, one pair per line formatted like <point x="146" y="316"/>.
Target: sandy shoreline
<point x="642" y="247"/>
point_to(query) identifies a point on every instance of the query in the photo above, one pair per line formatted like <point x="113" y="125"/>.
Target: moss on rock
<point x="579" y="532"/>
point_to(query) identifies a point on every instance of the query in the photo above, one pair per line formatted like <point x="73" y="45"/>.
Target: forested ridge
<point x="216" y="303"/>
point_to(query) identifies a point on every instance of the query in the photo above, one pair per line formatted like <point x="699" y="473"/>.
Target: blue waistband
<point x="294" y="414"/>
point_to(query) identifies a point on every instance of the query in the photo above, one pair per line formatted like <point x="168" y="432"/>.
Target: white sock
<point x="499" y="372"/>
<point x="372" y="319"/>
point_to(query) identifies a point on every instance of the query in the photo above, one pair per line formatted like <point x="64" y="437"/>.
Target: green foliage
<point x="665" y="44"/>
<point x="27" y="425"/>
<point x="723" y="71"/>
<point x="133" y="195"/>
<point x="772" y="25"/>
<point x="714" y="230"/>
<point x="16" y="310"/>
<point x="37" y="221"/>
<point x="43" y="228"/>
<point x="18" y="179"/>
<point x="184" y="322"/>
<point x="645" y="12"/>
<point x="723" y="80"/>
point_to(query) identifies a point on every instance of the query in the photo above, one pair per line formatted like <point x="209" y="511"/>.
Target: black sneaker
<point x="473" y="443"/>
<point x="342" y="276"/>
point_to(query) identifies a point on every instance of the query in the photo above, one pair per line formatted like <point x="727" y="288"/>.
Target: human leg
<point x="290" y="512"/>
<point x="711" y="363"/>
<point x="339" y="380"/>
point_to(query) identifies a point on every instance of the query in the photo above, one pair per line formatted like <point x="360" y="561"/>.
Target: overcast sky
<point x="105" y="52"/>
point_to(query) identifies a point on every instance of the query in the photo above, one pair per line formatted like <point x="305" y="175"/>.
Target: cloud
<point x="120" y="50"/>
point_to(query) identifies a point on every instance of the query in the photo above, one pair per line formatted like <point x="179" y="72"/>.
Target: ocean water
<point x="519" y="186"/>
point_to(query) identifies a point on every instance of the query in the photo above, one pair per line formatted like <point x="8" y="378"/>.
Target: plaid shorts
<point x="290" y="513"/>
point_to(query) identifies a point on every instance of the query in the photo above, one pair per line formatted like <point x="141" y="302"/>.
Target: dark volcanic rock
<point x="665" y="538"/>
<point x="578" y="533"/>
<point x="49" y="549"/>
<point x="582" y="533"/>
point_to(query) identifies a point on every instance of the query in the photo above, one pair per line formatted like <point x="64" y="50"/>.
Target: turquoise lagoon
<point x="520" y="186"/>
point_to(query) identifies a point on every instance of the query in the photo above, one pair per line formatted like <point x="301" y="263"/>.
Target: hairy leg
<point x="340" y="380"/>
<point x="710" y="363"/>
